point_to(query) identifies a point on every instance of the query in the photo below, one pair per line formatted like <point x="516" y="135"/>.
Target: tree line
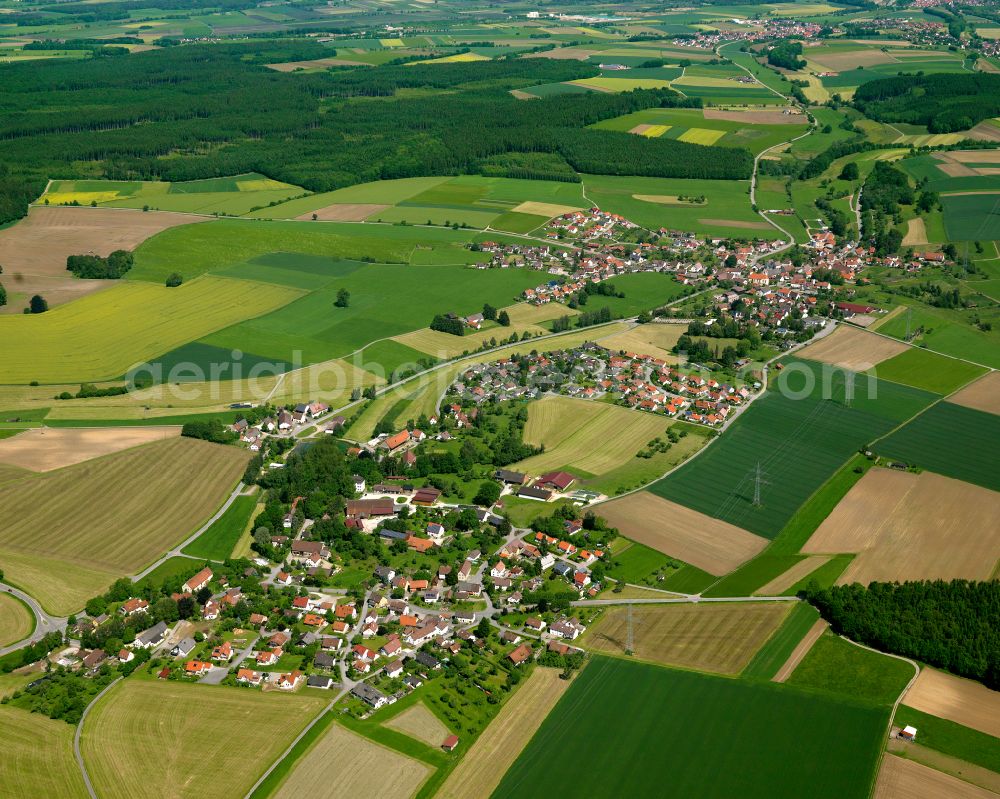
<point x="944" y="102"/>
<point x="951" y="625"/>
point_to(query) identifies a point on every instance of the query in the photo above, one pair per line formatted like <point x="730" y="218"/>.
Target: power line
<point x="758" y="482"/>
<point x="628" y="638"/>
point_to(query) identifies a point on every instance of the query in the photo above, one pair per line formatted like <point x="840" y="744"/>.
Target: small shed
<point x="450" y="743"/>
<point x="908" y="733"/>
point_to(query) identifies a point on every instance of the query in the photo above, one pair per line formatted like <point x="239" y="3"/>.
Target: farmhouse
<point x="557" y="481"/>
<point x="532" y="492"/>
<point x="133" y="606"/>
<point x="370" y="695"/>
<point x="199" y="581"/>
<point x="370" y="508"/>
<point x="153" y="637"/>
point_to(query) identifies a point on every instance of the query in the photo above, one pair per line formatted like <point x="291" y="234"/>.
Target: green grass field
<point x="948" y="331"/>
<point x="836" y="666"/>
<point x="713" y="737"/>
<point x="217" y="542"/>
<point x="799" y="443"/>
<point x="637" y="564"/>
<point x="972" y="217"/>
<point x="778" y="649"/>
<point x="102" y="335"/>
<point x="928" y="370"/>
<point x="727" y="207"/>
<point x="951" y="440"/>
<point x="951" y="738"/>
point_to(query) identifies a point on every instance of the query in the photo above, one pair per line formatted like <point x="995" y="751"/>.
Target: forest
<point x="944" y="102"/>
<point x="952" y="625"/>
<point x="185" y="113"/>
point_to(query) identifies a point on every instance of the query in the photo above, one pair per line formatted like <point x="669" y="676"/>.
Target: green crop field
<point x="713" y="737"/>
<point x="800" y="439"/>
<point x="928" y="370"/>
<point x="102" y="335"/>
<point x="836" y="666"/>
<point x="951" y="440"/>
<point x="386" y="300"/>
<point x="217" y="542"/>
<point x="228" y="242"/>
<point x="969" y="217"/>
<point x="778" y="649"/>
<point x="151" y="497"/>
<point x="726" y="212"/>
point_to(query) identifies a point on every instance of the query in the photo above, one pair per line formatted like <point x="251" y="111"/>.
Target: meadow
<point x="105" y="334"/>
<point x="972" y="216"/>
<point x="726" y="212"/>
<point x="636" y="563"/>
<point x="951" y="738"/>
<point x="718" y="638"/>
<point x="951" y="440"/>
<point x="38" y="757"/>
<point x="798" y="438"/>
<point x="64" y="549"/>
<point x="218" y="541"/>
<point x="835" y="665"/>
<point x="714" y="737"/>
<point x="947" y="331"/>
<point x="197" y="725"/>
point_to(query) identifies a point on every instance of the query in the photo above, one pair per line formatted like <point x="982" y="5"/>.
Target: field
<point x="589" y="436"/>
<point x="714" y="737"/>
<point x="718" y="637"/>
<point x="835" y="665"/>
<point x="913" y="527"/>
<point x="853" y="349"/>
<point x="727" y="202"/>
<point x="780" y="584"/>
<point x="419" y="722"/>
<point x="929" y="371"/>
<point x="103" y="336"/>
<point x="45" y="449"/>
<point x="757" y="131"/>
<point x="231" y="196"/>
<point x="219" y="540"/>
<point x="482" y="768"/>
<point x="947" y="331"/>
<point x="710" y="544"/>
<point x="16" y="621"/>
<point x="807" y="431"/>
<point x="38" y="757"/>
<point x="941" y="738"/>
<point x="951" y="440"/>
<point x="971" y="216"/>
<point x="36" y="248"/>
<point x="899" y="777"/>
<point x="656" y="340"/>
<point x="63" y="548"/>
<point x="983" y="395"/>
<point x="345" y="765"/>
<point x="795" y="626"/>
<point x="197" y="725"/>
<point x="964" y="702"/>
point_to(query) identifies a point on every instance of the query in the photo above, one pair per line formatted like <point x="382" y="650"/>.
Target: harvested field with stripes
<point x="45" y="449"/>
<point x="718" y="637"/>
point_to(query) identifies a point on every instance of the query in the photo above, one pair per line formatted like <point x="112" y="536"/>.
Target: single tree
<point x="343" y="298"/>
<point x="174" y="279"/>
<point x="504" y="318"/>
<point x="38" y="304"/>
<point x="3" y="295"/>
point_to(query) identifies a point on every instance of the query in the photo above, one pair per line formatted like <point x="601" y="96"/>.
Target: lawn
<point x="218" y="541"/>
<point x="103" y="335"/>
<point x="928" y="370"/>
<point x="713" y="737"/>
<point x="951" y="440"/>
<point x="799" y="439"/>
<point x="38" y="758"/>
<point x="198" y="725"/>
<point x="63" y="548"/>
<point x="638" y="563"/>
<point x="779" y="647"/>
